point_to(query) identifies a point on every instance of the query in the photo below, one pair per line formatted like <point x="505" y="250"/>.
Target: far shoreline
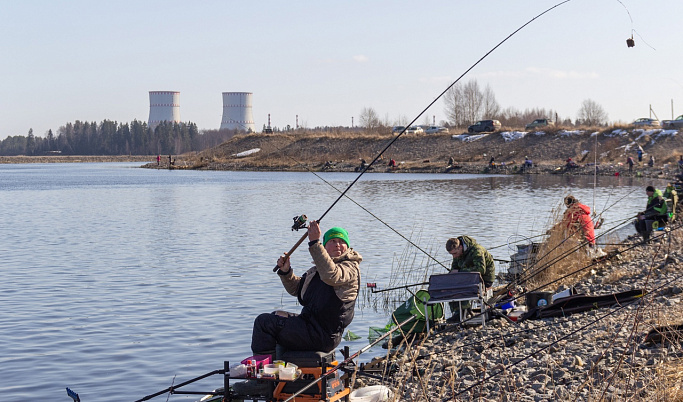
<point x="23" y="159"/>
<point x="180" y="163"/>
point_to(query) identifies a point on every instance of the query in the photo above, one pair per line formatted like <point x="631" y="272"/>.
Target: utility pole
<point x="351" y="121"/>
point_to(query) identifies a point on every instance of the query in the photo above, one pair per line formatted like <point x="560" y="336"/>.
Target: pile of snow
<point x="539" y="133"/>
<point x="468" y="138"/>
<point x="664" y="133"/>
<point x="565" y="133"/>
<point x="595" y="133"/>
<point x="617" y="133"/>
<point x="246" y="153"/>
<point x="513" y="135"/>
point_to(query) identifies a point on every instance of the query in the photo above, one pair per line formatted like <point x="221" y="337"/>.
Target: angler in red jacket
<point x="577" y="219"/>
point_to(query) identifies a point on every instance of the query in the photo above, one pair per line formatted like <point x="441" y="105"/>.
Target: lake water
<point x="116" y="279"/>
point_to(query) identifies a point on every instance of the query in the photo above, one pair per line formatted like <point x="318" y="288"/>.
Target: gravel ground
<point x="595" y="355"/>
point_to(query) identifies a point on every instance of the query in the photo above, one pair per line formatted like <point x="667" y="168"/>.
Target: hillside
<point x="431" y="152"/>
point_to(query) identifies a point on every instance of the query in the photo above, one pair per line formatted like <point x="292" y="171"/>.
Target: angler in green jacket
<point x="469" y="256"/>
<point x="655" y="211"/>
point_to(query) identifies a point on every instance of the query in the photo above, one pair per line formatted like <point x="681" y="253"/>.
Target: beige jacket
<point x="342" y="273"/>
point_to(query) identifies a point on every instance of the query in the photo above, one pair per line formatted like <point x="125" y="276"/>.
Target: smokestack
<point x="237" y="113"/>
<point x="163" y="106"/>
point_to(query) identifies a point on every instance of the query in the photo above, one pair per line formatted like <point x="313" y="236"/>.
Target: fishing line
<point x="432" y="103"/>
<point x="505" y="369"/>
<point x="596" y="262"/>
<point x="530" y="273"/>
<point x="370" y="213"/>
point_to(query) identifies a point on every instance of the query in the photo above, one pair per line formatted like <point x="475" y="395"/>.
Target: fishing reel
<point x="299" y="222"/>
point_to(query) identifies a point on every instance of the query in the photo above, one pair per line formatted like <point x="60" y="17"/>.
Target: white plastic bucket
<point x="374" y="393"/>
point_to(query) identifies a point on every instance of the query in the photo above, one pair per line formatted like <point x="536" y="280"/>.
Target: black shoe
<point x="455" y="318"/>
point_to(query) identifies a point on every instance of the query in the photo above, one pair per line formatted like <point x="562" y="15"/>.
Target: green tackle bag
<point x="414" y="306"/>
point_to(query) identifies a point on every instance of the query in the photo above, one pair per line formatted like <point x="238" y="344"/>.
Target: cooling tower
<point x="163" y="106"/>
<point x="237" y="111"/>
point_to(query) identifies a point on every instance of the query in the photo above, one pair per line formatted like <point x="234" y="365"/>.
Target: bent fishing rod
<point x="419" y="115"/>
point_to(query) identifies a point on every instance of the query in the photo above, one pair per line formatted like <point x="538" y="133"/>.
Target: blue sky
<point x="325" y="61"/>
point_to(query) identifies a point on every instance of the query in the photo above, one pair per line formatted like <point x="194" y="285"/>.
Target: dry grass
<point x="560" y="256"/>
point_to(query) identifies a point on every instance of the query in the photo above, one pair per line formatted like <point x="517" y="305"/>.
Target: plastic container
<point x="271" y="368"/>
<point x="280" y="363"/>
<point x="287" y="373"/>
<point x="238" y="371"/>
<point x="374" y="393"/>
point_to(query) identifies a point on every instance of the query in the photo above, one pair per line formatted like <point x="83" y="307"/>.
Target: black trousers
<point x="292" y="332"/>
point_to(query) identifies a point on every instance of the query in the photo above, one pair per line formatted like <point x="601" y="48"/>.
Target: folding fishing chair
<point x="458" y="287"/>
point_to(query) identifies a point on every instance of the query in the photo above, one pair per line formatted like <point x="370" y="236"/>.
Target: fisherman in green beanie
<point x="327" y="291"/>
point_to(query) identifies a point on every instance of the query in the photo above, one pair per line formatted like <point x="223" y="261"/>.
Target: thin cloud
<point x="360" y="58"/>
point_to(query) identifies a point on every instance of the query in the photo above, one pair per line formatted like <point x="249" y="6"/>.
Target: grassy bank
<point x="344" y="151"/>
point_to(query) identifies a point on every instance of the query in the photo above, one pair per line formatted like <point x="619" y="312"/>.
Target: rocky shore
<point x="596" y="355"/>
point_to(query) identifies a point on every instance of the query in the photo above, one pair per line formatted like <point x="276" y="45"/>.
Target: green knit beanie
<point x="336" y="233"/>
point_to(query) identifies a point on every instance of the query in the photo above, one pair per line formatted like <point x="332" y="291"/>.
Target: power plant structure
<point x="163" y="106"/>
<point x="237" y="113"/>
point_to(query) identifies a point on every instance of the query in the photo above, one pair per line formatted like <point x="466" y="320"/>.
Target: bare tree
<point x="369" y="118"/>
<point x="453" y="98"/>
<point x="491" y="106"/>
<point x="466" y="103"/>
<point x="592" y="114"/>
<point x="473" y="101"/>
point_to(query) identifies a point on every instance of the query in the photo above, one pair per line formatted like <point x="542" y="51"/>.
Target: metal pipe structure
<point x="237" y="114"/>
<point x="163" y="106"/>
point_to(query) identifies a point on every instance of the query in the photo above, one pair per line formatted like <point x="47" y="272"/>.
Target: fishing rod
<point x="350" y="358"/>
<point x="623" y="306"/>
<point x="595" y="263"/>
<point x="365" y="169"/>
<point x="173" y="387"/>
<point x="534" y="270"/>
<point x="366" y="210"/>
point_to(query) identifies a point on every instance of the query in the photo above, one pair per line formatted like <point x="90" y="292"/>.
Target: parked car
<point x="676" y="123"/>
<point x="397" y="129"/>
<point x="539" y="123"/>
<point x="415" y="130"/>
<point x="483" y="126"/>
<point x="646" y="122"/>
<point x="436" y="129"/>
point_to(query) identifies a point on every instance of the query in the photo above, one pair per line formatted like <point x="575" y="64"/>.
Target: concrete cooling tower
<point x="163" y="106"/>
<point x="237" y="113"/>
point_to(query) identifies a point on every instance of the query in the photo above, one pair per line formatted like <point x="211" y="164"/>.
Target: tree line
<point x="112" y="138"/>
<point x="466" y="103"/>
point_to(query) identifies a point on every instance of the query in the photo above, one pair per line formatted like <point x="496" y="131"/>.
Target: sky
<point x="324" y="61"/>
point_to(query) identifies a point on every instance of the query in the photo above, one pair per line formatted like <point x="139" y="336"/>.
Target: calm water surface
<point x="116" y="279"/>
